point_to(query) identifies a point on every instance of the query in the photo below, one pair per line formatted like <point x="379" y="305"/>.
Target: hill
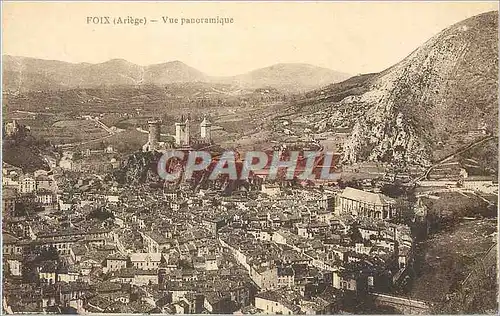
<point x="23" y="74"/>
<point x="290" y="77"/>
<point x="438" y="99"/>
<point x="25" y="151"/>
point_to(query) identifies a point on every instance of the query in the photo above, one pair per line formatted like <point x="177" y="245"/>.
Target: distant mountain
<point x="21" y="74"/>
<point x="435" y="101"/>
<point x="24" y="74"/>
<point x="291" y="77"/>
<point x="171" y="72"/>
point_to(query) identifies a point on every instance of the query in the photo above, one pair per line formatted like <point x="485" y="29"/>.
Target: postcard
<point x="232" y="157"/>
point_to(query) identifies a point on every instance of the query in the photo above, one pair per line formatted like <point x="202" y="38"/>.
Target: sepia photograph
<point x="250" y="157"/>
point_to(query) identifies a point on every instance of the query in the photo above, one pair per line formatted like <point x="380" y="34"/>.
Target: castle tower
<point x="205" y="129"/>
<point x="154" y="134"/>
<point x="186" y="132"/>
<point x="179" y="131"/>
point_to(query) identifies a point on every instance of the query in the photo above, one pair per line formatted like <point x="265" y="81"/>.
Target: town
<point x="77" y="239"/>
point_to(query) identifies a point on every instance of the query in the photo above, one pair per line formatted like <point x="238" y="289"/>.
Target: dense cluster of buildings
<point x="80" y="241"/>
<point x="104" y="247"/>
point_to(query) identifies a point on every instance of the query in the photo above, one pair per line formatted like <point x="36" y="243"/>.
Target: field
<point x="71" y="131"/>
<point x="57" y="116"/>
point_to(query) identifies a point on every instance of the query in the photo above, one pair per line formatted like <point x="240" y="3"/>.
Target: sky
<point x="352" y="37"/>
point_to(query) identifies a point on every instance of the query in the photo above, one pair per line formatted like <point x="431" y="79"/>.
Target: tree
<point x="77" y="155"/>
<point x="6" y="271"/>
<point x="101" y="214"/>
<point x="129" y="263"/>
<point x="355" y="235"/>
<point x="392" y="190"/>
<point x="101" y="145"/>
<point x="404" y="211"/>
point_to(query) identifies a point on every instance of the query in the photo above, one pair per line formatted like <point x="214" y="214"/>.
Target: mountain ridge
<point x="27" y="73"/>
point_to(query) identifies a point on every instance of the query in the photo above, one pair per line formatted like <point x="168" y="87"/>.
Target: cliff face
<point x="139" y="168"/>
<point x="443" y="90"/>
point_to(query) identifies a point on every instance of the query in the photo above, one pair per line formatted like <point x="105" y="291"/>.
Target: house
<point x="8" y="169"/>
<point x="88" y="265"/>
<point x="485" y="184"/>
<point x="404" y="257"/>
<point x="270" y="189"/>
<point x="27" y="185"/>
<point x="214" y="224"/>
<point x="106" y="288"/>
<point x="43" y="181"/>
<point x="146" y="261"/>
<point x="265" y="276"/>
<point x="77" y="251"/>
<point x="211" y="263"/>
<point x="112" y="198"/>
<point x="145" y="277"/>
<point x="61" y="243"/>
<point x="114" y="262"/>
<point x="10" y="180"/>
<point x="126" y="275"/>
<point x="302" y="231"/>
<point x="363" y="247"/>
<point x="44" y="196"/>
<point x="286" y="276"/>
<point x="367" y="231"/>
<point x="273" y="303"/>
<point x="65" y="205"/>
<point x="208" y="262"/>
<point x="359" y="203"/>
<point x="14" y="264"/>
<point x="340" y="252"/>
<point x="218" y="303"/>
<point x="48" y="272"/>
<point x="66" y="163"/>
<point x="154" y="242"/>
<point x="72" y="294"/>
<point x="11" y="245"/>
<point x="68" y="274"/>
<point x="8" y="201"/>
<point x="325" y="215"/>
<point x="317" y="306"/>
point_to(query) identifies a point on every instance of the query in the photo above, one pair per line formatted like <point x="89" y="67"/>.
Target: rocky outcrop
<point x="442" y="90"/>
<point x="139" y="168"/>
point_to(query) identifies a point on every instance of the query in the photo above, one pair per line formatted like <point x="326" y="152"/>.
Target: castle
<point x="182" y="138"/>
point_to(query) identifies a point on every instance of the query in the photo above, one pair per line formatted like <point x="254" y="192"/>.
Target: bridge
<point x="402" y="304"/>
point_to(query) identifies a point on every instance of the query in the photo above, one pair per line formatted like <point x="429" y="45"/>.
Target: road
<point x="147" y="132"/>
<point x="110" y="131"/>
<point x="451" y="156"/>
<point x="34" y="113"/>
<point x="69" y="145"/>
<point x="103" y="126"/>
<point x="481" y="266"/>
